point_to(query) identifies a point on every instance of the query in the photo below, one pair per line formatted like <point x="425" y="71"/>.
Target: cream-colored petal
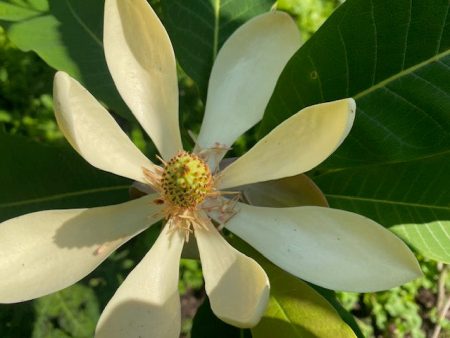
<point x="92" y="131"/>
<point x="46" y="251"/>
<point x="332" y="248"/>
<point x="142" y="63"/>
<point x="297" y="145"/>
<point x="147" y="304"/>
<point x="244" y="75"/>
<point x="238" y="288"/>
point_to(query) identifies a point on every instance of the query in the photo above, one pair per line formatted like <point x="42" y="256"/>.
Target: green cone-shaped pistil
<point x="186" y="180"/>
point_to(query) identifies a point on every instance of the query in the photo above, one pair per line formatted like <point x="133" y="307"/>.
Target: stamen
<point x="187" y="193"/>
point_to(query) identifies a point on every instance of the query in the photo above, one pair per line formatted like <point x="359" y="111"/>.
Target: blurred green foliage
<point x="25" y="94"/>
<point x="26" y="109"/>
<point x="309" y="14"/>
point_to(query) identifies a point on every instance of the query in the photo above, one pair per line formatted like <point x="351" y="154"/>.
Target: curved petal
<point x="332" y="248"/>
<point x="142" y="63"/>
<point x="147" y="304"/>
<point x="238" y="288"/>
<point x="297" y="145"/>
<point x="244" y="76"/>
<point x="46" y="251"/>
<point x="92" y="131"/>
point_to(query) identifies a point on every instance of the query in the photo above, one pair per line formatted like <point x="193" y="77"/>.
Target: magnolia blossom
<point x="46" y="251"/>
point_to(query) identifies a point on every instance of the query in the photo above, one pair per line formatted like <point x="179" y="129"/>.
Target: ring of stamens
<point x="187" y="193"/>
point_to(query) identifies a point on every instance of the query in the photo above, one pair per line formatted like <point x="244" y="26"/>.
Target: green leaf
<point x="412" y="197"/>
<point x="430" y="239"/>
<point x="330" y="296"/>
<point x="37" y="177"/>
<point x="295" y="309"/>
<point x="393" y="167"/>
<point x="72" y="312"/>
<point x="17" y="10"/>
<point x="399" y="73"/>
<point x="207" y="325"/>
<point x="199" y="28"/>
<point x="68" y="36"/>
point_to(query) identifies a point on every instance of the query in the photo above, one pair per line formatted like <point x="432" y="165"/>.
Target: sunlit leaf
<point x="68" y="36"/>
<point x="430" y="239"/>
<point x="16" y="10"/>
<point x="294" y="308"/>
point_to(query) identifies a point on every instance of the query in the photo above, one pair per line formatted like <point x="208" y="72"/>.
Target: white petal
<point x="142" y="63"/>
<point x="46" y="251"/>
<point x="147" y="304"/>
<point x="244" y="76"/>
<point x="92" y="131"/>
<point x="332" y="248"/>
<point x="238" y="288"/>
<point x="297" y="145"/>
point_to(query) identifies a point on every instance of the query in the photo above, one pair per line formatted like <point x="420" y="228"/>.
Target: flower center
<point x="186" y="180"/>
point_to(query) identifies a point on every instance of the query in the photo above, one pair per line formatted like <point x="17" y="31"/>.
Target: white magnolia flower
<point x="46" y="251"/>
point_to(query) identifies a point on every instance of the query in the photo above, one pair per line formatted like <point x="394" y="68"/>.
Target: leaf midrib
<point x="328" y="171"/>
<point x="401" y="74"/>
<point x="82" y="24"/>
<point x="382" y="201"/>
<point x="62" y="196"/>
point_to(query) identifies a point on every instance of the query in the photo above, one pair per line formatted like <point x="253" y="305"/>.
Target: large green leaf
<point x="199" y="28"/>
<point x="380" y="53"/>
<point x="411" y="197"/>
<point x="394" y="165"/>
<point x="37" y="177"/>
<point x="295" y="309"/>
<point x="67" y="34"/>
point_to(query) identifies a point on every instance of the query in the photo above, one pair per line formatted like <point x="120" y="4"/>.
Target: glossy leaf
<point x="330" y="296"/>
<point x="411" y="197"/>
<point x="294" y="307"/>
<point x="38" y="177"/>
<point x="397" y="72"/>
<point x="68" y="36"/>
<point x="393" y="165"/>
<point x="199" y="28"/>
